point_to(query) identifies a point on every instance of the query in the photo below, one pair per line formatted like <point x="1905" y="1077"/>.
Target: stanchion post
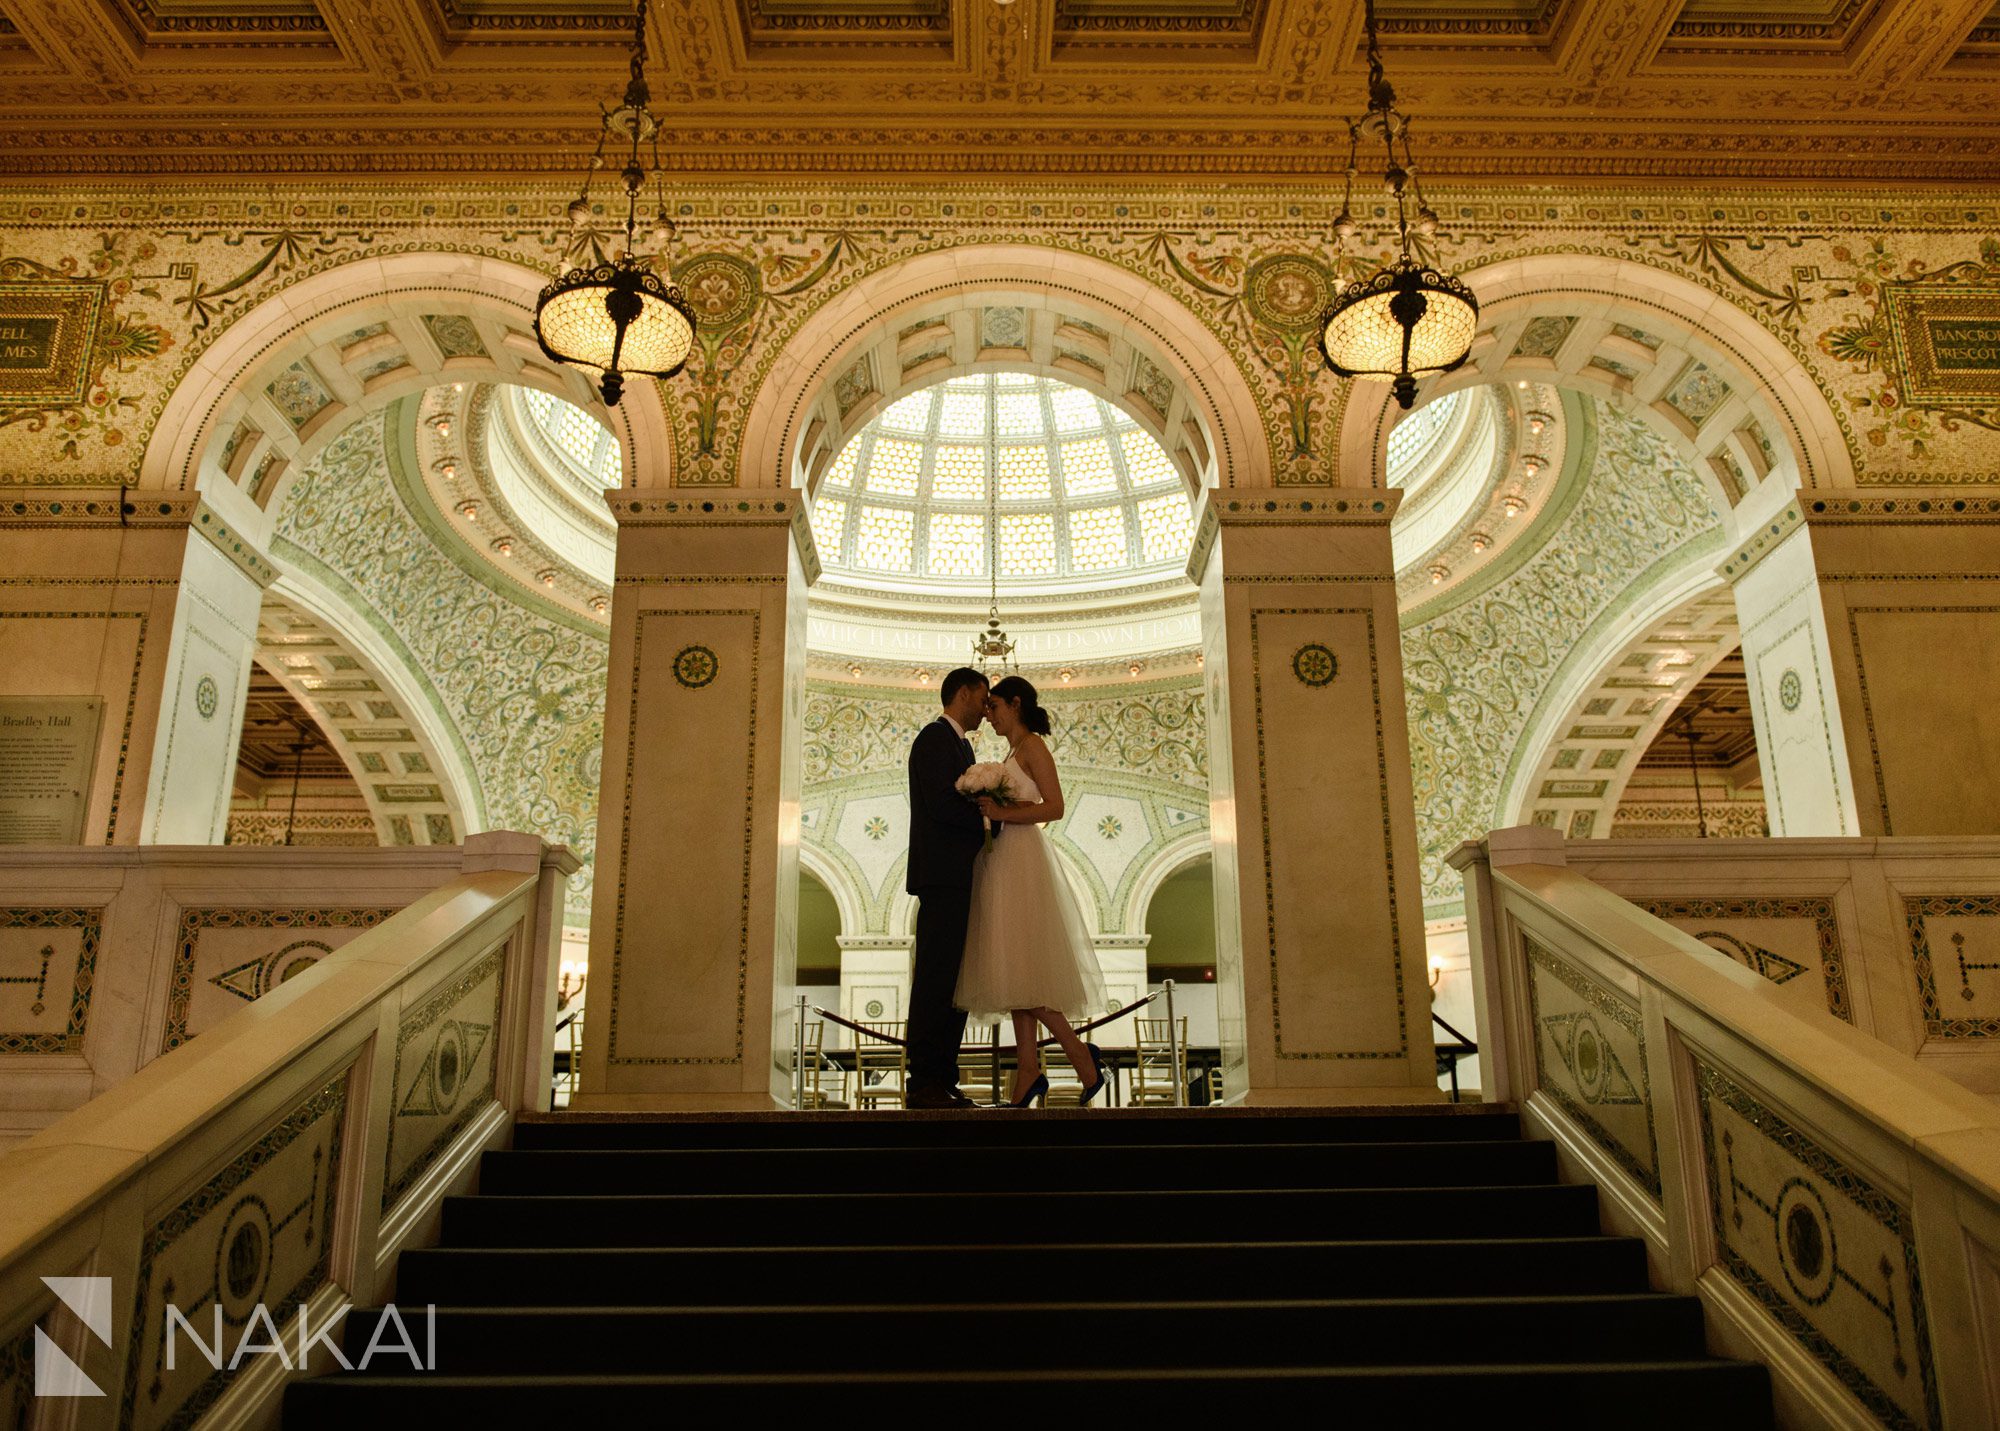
<point x="1174" y="1047"/>
<point x="799" y="1056"/>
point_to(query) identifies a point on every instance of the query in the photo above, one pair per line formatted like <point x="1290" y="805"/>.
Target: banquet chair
<point x="1157" y="1071"/>
<point x="880" y="1068"/>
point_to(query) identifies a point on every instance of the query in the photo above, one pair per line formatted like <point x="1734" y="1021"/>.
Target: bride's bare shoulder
<point x="1032" y="744"/>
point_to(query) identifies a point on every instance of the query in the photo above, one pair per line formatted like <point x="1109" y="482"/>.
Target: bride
<point x="1027" y="948"/>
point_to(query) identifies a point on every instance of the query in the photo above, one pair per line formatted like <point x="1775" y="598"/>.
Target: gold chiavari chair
<point x="1065" y="1086"/>
<point x="1154" y="1074"/>
<point x="880" y="1068"/>
<point x="824" y="1085"/>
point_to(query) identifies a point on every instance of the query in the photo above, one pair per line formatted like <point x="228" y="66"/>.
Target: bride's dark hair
<point x="1020" y="688"/>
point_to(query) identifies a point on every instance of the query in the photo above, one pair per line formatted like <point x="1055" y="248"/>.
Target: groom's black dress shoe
<point x="937" y="1098"/>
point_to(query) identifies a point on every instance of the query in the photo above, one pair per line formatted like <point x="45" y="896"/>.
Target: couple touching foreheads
<point x="998" y="930"/>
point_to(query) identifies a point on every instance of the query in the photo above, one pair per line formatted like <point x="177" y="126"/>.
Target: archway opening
<point x="819" y="935"/>
<point x="1180" y="945"/>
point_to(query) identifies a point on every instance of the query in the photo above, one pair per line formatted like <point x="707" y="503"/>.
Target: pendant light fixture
<point x="1409" y="320"/>
<point x="993" y="646"/>
<point x="620" y="317"/>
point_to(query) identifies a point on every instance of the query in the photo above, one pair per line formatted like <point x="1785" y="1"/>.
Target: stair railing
<point x="1834" y="1204"/>
<point x="282" y="1159"/>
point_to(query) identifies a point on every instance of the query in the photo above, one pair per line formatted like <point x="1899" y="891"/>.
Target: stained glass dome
<point x="581" y="448"/>
<point x="1085" y="496"/>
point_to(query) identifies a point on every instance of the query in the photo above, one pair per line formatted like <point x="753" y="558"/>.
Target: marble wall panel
<point x="1822" y="1247"/>
<point x="257" y="1232"/>
<point x="1590" y="1057"/>
<point x="225" y="957"/>
<point x="48" y="970"/>
<point x="445" y="1057"/>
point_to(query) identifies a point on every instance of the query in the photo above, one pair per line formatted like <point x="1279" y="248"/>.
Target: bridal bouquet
<point x="986" y="780"/>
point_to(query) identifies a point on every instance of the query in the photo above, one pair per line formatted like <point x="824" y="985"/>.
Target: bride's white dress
<point x="1027" y="945"/>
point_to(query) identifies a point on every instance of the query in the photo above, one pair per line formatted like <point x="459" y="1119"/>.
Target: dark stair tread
<point x="944" y="1170"/>
<point x="892" y="1272"/>
<point x="1005" y="1128"/>
<point x="1724" y="1395"/>
<point x="1047" y="1335"/>
<point x="1103" y="1216"/>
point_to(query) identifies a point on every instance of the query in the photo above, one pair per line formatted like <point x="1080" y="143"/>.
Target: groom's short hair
<point x="958" y="680"/>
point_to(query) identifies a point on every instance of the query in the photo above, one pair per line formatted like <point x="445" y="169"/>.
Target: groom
<point x="945" y="836"/>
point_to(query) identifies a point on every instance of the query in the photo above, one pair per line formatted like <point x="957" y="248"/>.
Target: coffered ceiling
<point x="1857" y="90"/>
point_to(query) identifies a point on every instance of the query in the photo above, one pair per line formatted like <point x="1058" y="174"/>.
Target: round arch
<point x="999" y="307"/>
<point x="288" y="375"/>
<point x="1726" y="391"/>
<point x="1164" y="864"/>
<point x="848" y="898"/>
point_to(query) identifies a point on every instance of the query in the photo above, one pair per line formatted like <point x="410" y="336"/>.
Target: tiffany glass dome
<point x="571" y="444"/>
<point x="1084" y="496"/>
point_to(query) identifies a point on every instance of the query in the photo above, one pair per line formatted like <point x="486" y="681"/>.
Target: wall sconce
<point x="1480" y="541"/>
<point x="1066" y="675"/>
<point x="442" y="425"/>
<point x="1437" y="969"/>
<point x="1514" y="505"/>
<point x="468" y="510"/>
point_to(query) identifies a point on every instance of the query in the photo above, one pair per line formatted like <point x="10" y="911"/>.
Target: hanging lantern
<point x="1410" y="320"/>
<point x="620" y="317"/>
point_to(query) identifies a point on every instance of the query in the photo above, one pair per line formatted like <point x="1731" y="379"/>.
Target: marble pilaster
<point x="693" y="941"/>
<point x="148" y="602"/>
<point x="1321" y="988"/>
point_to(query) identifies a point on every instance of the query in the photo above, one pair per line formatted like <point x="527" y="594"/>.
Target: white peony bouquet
<point x="986" y="781"/>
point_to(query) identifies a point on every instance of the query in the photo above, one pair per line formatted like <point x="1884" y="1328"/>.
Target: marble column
<point x="1321" y="990"/>
<point x="693" y="937"/>
<point x="145" y="603"/>
<point x="1801" y="743"/>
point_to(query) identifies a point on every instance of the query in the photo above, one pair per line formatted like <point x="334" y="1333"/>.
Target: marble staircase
<point x="1390" y="1265"/>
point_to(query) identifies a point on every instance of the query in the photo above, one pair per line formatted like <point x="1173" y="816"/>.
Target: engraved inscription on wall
<point x="1947" y="341"/>
<point x="47" y="749"/>
<point x="47" y="331"/>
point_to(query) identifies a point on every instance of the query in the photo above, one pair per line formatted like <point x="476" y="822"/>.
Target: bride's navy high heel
<point x="1103" y="1076"/>
<point x="1035" y="1090"/>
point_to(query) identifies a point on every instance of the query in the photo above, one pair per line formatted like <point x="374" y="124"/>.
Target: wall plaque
<point x="1947" y="341"/>
<point x="46" y="334"/>
<point x="48" y="748"/>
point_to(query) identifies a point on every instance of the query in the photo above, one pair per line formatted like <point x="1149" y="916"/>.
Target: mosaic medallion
<point x="1805" y="1242"/>
<point x="1287" y="292"/>
<point x="1790" y="689"/>
<point x="721" y="288"/>
<point x="873" y="1009"/>
<point x="1315" y="666"/>
<point x="206" y="697"/>
<point x="695" y="667"/>
<point x="243" y="1258"/>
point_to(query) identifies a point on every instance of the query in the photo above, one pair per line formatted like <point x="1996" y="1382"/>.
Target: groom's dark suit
<point x="945" y="837"/>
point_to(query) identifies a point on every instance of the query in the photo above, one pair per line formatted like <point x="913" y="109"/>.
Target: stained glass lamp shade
<point x="1405" y="323"/>
<point x="616" y="318"/>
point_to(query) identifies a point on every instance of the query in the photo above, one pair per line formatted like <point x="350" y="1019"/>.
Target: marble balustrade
<point x="277" y="1164"/>
<point x="1833" y="1202"/>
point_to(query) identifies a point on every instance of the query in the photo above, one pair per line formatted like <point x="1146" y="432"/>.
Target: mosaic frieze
<point x="254" y="1239"/>
<point x="1817" y="273"/>
<point x="1828" y="1254"/>
<point x="1955" y="959"/>
<point x="48" y="967"/>
<point x="1590" y="1057"/>
<point x="226" y="958"/>
<point x="1780" y="938"/>
<point x="445" y="1051"/>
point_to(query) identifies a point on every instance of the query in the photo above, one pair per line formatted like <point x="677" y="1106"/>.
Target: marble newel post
<point x="692" y="938"/>
<point x="1321" y="990"/>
